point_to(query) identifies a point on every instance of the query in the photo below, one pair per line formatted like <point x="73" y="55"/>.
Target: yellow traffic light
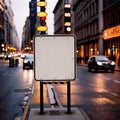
<point x="42" y="14"/>
<point x="41" y="3"/>
<point x="42" y="28"/>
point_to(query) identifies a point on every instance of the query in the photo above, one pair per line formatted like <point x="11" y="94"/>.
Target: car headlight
<point x="25" y="61"/>
<point x="99" y="63"/>
<point x="112" y="63"/>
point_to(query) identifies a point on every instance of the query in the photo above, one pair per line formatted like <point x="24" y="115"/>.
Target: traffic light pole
<point x="68" y="98"/>
<point x="42" y="9"/>
<point x="41" y="99"/>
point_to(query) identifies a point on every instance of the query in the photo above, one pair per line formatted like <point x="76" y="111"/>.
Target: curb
<point x="27" y="107"/>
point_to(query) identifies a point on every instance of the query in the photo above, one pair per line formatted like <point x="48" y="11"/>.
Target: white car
<point x="28" y="61"/>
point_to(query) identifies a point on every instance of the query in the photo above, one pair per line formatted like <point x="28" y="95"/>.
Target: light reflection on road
<point x="78" y="92"/>
<point x="36" y="95"/>
<point x="28" y="77"/>
<point x="102" y="101"/>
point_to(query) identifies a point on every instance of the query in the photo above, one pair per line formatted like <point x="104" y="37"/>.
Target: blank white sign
<point x="54" y="57"/>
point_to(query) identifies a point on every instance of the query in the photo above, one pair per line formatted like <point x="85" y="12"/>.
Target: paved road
<point x="97" y="93"/>
<point x="15" y="84"/>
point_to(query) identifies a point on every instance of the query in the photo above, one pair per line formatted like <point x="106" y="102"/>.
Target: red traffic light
<point x="42" y="21"/>
<point x="42" y="18"/>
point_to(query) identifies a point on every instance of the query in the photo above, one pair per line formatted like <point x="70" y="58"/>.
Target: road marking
<point x="116" y="81"/>
<point x="114" y="94"/>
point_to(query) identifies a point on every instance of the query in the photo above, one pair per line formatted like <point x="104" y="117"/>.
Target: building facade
<point x="59" y="17"/>
<point x="29" y="29"/>
<point x="26" y="37"/>
<point x="1" y="25"/>
<point x="58" y="11"/>
<point x="88" y="27"/>
<point x="111" y="33"/>
<point x="96" y="25"/>
<point x="9" y="40"/>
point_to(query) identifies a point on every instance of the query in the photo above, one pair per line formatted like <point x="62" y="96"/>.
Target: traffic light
<point x="67" y="18"/>
<point x="41" y="3"/>
<point x="42" y="14"/>
<point x="42" y="21"/>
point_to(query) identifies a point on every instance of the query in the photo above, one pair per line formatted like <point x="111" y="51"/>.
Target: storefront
<point x="111" y="38"/>
<point x="86" y="50"/>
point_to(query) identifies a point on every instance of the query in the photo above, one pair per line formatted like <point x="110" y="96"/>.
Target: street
<point x="98" y="94"/>
<point x="67" y="39"/>
<point x="15" y="85"/>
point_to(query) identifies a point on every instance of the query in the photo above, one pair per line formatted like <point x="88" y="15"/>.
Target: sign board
<point x="54" y="57"/>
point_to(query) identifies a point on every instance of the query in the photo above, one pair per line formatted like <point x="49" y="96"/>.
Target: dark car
<point x="100" y="62"/>
<point x="28" y="61"/>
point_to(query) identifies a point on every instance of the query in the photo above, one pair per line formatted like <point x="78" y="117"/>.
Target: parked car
<point x="100" y="62"/>
<point x="28" y="61"/>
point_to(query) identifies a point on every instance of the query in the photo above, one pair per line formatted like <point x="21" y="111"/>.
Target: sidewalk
<point x="52" y="113"/>
<point x="57" y="114"/>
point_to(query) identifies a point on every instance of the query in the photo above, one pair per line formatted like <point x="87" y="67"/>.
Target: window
<point x="118" y="19"/>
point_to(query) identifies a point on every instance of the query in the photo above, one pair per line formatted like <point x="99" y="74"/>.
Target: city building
<point x="111" y="33"/>
<point x="96" y="25"/>
<point x="29" y="29"/>
<point x="1" y="25"/>
<point x="59" y="17"/>
<point x="9" y="41"/>
<point x="26" y="38"/>
<point x="59" y="27"/>
<point x="88" y="27"/>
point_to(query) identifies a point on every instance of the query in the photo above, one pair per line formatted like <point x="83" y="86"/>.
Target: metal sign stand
<point x="41" y="99"/>
<point x="68" y="98"/>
